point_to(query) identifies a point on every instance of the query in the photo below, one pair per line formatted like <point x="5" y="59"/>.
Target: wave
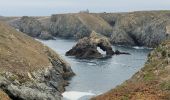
<point x="76" y="95"/>
<point x="137" y="47"/>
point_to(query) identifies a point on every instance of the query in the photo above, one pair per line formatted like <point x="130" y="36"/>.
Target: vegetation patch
<point x="165" y="85"/>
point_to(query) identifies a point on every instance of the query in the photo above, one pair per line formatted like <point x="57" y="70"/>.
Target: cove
<point x="97" y="76"/>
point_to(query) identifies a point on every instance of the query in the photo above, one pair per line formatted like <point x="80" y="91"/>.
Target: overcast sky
<point x="48" y="7"/>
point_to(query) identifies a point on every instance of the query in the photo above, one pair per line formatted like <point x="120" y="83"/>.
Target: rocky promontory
<point x="62" y="25"/>
<point x="28" y="69"/>
<point x="152" y="82"/>
<point x="87" y="47"/>
<point x="143" y="28"/>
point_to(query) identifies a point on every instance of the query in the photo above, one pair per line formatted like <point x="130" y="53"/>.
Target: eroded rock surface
<point x="142" y="28"/>
<point x="87" y="47"/>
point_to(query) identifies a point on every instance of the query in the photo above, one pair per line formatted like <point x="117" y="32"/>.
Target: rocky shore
<point x="144" y="28"/>
<point x="28" y="69"/>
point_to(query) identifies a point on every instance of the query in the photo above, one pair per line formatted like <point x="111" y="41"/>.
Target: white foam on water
<point x="75" y="95"/>
<point x="91" y="64"/>
<point x="136" y="47"/>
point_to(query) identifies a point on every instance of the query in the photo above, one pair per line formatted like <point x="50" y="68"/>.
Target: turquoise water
<point x="97" y="76"/>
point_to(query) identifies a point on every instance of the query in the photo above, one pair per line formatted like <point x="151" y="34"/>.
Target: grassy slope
<point x="93" y="22"/>
<point x="20" y="53"/>
<point x="151" y="83"/>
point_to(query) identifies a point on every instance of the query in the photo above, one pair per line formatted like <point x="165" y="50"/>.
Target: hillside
<point x="152" y="82"/>
<point x="77" y="25"/>
<point x="28" y="69"/>
<point x="144" y="28"/>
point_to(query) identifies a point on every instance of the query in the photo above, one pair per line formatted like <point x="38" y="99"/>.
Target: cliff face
<point x="31" y="26"/>
<point x="136" y="28"/>
<point x="139" y="28"/>
<point x="151" y="83"/>
<point x="28" y="69"/>
<point x="63" y="25"/>
<point x="78" y="25"/>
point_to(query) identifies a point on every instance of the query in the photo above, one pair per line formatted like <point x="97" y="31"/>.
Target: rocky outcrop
<point x="63" y="25"/>
<point x="139" y="28"/>
<point x="87" y="47"/>
<point x="145" y="28"/>
<point x="78" y="25"/>
<point x="28" y="69"/>
<point x="152" y="82"/>
<point x="32" y="27"/>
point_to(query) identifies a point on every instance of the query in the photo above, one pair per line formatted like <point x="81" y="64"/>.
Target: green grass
<point x="148" y="76"/>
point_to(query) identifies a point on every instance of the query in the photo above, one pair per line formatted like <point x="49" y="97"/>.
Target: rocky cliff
<point x="152" y="82"/>
<point x="28" y="69"/>
<point x="63" y="25"/>
<point x="145" y="28"/>
<point x="78" y="25"/>
<point x="31" y="26"/>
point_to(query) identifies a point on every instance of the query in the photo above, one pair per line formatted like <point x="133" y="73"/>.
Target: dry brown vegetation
<point x="20" y="53"/>
<point x="93" y="22"/>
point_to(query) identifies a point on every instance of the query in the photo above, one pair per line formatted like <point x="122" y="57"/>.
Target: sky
<point x="48" y="7"/>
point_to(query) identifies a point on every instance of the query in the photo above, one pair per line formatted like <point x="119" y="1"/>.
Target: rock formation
<point x="28" y="69"/>
<point x="145" y="28"/>
<point x="78" y="25"/>
<point x="32" y="27"/>
<point x="152" y="82"/>
<point x="63" y="25"/>
<point x="87" y="47"/>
